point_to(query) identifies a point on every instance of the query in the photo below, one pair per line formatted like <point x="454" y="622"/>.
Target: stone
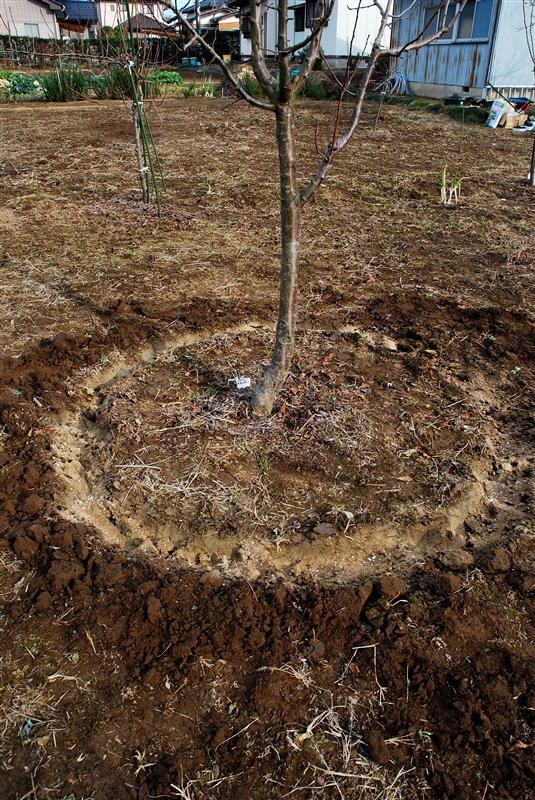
<point x="212" y="578"/>
<point x="389" y="344"/>
<point x="325" y="529"/>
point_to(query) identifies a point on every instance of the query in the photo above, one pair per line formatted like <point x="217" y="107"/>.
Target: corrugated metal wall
<point x="462" y="64"/>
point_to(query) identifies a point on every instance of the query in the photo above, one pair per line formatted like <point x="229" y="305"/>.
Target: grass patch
<point x="472" y="114"/>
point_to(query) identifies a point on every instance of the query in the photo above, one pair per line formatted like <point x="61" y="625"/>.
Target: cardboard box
<point x="513" y="119"/>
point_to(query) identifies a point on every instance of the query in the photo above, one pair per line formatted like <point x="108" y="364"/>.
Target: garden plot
<point x="335" y="601"/>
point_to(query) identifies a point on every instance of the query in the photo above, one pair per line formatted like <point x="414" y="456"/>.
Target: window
<point x="112" y="7"/>
<point x="31" y="29"/>
<point x="299" y="18"/>
<point x="473" y="24"/>
<point x="434" y="16"/>
<point x="246" y="26"/>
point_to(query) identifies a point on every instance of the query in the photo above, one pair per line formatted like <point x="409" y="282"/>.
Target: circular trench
<point x="382" y="447"/>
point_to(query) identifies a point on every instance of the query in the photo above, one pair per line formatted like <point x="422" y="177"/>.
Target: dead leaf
<point x="405" y="478"/>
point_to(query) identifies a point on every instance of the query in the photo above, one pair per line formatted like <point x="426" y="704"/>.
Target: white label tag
<point x="242" y="383"/>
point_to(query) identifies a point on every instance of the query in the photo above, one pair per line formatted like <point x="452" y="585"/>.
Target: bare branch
<point x="285" y="83"/>
<point x="417" y="43"/>
<point x="263" y="75"/>
<point x="226" y="71"/>
<point x="406" y="12"/>
<point x="314" y="48"/>
<point x="323" y="20"/>
<point x="337" y="80"/>
<point x="528" y="24"/>
<point x="338" y="144"/>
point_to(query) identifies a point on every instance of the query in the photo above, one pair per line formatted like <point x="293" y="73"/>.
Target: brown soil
<point x="334" y="602"/>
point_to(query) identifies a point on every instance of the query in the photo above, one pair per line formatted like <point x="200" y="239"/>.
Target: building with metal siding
<point x="486" y="46"/>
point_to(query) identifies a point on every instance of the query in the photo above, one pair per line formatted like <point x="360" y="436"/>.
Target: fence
<point x="24" y="51"/>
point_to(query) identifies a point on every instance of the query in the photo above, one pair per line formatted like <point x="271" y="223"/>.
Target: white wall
<point x="112" y="14"/>
<point x="24" y="18"/>
<point x="511" y="63"/>
<point x="337" y="35"/>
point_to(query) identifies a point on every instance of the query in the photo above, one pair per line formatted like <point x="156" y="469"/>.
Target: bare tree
<point x="281" y="93"/>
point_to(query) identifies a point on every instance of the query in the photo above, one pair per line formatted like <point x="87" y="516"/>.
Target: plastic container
<point x="520" y="102"/>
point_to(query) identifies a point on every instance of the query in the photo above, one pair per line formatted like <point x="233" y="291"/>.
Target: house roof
<point x="142" y="23"/>
<point x="82" y="11"/>
<point x="58" y="8"/>
<point x="52" y="6"/>
<point x="205" y="5"/>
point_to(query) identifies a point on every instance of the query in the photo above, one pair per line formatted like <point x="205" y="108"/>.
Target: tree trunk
<point x="270" y="383"/>
<point x="532" y="169"/>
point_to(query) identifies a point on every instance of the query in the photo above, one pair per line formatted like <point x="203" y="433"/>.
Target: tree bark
<point x="271" y="382"/>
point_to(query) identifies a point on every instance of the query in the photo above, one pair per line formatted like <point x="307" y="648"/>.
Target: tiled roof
<point x="142" y="22"/>
<point x="81" y="10"/>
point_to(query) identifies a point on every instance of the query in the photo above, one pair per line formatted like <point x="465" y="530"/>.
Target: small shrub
<point x="65" y="84"/>
<point x="314" y="90"/>
<point x="246" y="77"/>
<point x="116" y="84"/>
<point x="164" y="76"/>
<point x="189" y="91"/>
